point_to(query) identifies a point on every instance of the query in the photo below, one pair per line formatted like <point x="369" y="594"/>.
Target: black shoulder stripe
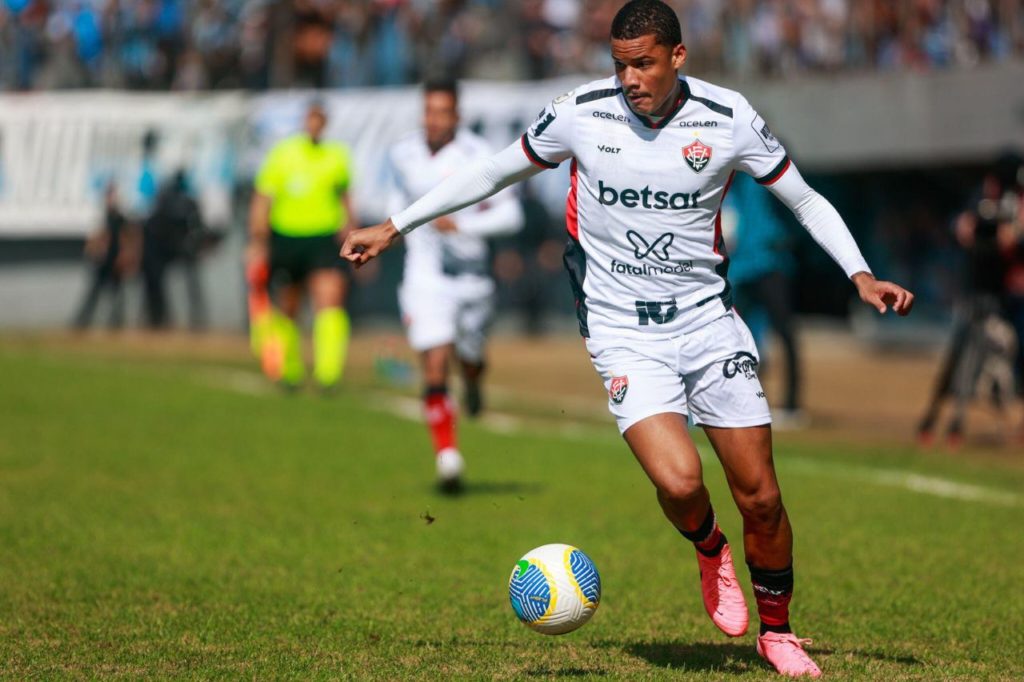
<point x="534" y="157"/>
<point x="713" y="106"/>
<point x="775" y="173"/>
<point x="597" y="94"/>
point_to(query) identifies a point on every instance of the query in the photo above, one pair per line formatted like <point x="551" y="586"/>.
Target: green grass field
<point x="166" y="518"/>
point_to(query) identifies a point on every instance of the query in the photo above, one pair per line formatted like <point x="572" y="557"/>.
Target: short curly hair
<point x="647" y="17"/>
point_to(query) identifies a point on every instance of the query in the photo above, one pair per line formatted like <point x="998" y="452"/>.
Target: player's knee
<point x="680" y="491"/>
<point x="762" y="506"/>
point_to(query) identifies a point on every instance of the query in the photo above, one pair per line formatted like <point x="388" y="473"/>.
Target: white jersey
<point x="646" y="255"/>
<point x="432" y="256"/>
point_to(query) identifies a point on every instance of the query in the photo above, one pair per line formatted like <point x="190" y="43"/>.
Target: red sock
<point x="440" y="418"/>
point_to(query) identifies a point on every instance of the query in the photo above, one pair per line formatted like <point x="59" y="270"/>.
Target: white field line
<point x="248" y="383"/>
<point x="906" y="480"/>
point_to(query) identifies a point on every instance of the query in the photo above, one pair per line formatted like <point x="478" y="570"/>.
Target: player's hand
<point x="445" y="224"/>
<point x="882" y="295"/>
<point x="362" y="246"/>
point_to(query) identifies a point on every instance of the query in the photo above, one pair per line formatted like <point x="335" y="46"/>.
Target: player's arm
<point x="267" y="180"/>
<point x="547" y="143"/>
<point x="820" y="218"/>
<point x="259" y="226"/>
<point x="762" y="155"/>
<point x="345" y="192"/>
<point x="467" y="187"/>
<point x="351" y="220"/>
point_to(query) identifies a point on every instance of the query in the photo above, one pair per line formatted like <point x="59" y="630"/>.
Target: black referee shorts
<point x="294" y="258"/>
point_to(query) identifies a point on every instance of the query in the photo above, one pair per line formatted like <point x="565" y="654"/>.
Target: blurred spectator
<point x="984" y="347"/>
<point x="173" y="232"/>
<point x="254" y="44"/>
<point x="110" y="250"/>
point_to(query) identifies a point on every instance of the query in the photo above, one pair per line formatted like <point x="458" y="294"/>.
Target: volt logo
<point x="641" y="249"/>
<point x="659" y="312"/>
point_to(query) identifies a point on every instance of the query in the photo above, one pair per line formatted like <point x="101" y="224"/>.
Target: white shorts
<point x="454" y="312"/>
<point x="710" y="373"/>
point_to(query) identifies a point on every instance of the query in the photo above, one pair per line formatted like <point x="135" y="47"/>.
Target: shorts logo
<point x="741" y="362"/>
<point x="617" y="389"/>
<point x="641" y="249"/>
<point x="697" y="155"/>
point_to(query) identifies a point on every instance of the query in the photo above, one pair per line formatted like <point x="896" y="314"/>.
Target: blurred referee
<point x="298" y="218"/>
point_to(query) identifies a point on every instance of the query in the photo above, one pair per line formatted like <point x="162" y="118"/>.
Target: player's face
<point x="648" y="72"/>
<point x="316" y="121"/>
<point x="440" y="118"/>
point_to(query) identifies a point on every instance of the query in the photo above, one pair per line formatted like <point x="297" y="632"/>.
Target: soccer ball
<point x="554" y="589"/>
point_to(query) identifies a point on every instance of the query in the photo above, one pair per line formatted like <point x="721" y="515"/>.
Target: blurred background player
<point x="761" y="266"/>
<point x="298" y="216"/>
<point x="447" y="293"/>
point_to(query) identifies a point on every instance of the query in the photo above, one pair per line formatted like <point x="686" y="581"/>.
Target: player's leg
<point x="647" y="398"/>
<point x="775" y="297"/>
<point x="746" y="456"/>
<point x="473" y="322"/>
<point x="277" y="336"/>
<point x="440" y="416"/>
<point x="429" y="314"/>
<point x="328" y="288"/>
<point x="285" y="330"/>
<point x="727" y="399"/>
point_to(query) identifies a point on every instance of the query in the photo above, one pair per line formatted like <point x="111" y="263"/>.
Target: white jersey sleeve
<point x="821" y="220"/>
<point x="549" y="141"/>
<point x="758" y="152"/>
<point x="470" y="185"/>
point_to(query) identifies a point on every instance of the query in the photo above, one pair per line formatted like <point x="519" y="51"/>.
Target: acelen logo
<point x="645" y="198"/>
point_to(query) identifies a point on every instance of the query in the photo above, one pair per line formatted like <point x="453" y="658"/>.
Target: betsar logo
<point x="646" y="197"/>
<point x="697" y="155"/>
<point x="741" y="362"/>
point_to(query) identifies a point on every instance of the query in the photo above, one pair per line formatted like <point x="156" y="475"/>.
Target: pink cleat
<point x="786" y="653"/>
<point x="723" y="599"/>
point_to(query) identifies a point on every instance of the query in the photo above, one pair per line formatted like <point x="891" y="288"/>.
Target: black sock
<point x="701" y="536"/>
<point x="773" y="590"/>
<point x="438" y="389"/>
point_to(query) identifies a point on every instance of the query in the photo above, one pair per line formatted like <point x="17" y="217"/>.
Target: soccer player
<point x="652" y="155"/>
<point x="447" y="294"/>
<point x="298" y="216"/>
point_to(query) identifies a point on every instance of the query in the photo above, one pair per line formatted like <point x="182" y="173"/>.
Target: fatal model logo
<point x="641" y="249"/>
<point x="697" y="155"/>
<point x="741" y="362"/>
<point x="617" y="389"/>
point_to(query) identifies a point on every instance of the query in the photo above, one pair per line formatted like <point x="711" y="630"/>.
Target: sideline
<point x="410" y="409"/>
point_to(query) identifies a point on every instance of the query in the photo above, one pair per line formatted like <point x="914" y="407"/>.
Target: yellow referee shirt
<point x="304" y="181"/>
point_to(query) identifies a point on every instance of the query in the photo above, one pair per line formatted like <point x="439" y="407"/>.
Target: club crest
<point x="697" y="155"/>
<point x="617" y="389"/>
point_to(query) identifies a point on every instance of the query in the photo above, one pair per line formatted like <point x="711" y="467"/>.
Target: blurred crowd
<point x="258" y="44"/>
